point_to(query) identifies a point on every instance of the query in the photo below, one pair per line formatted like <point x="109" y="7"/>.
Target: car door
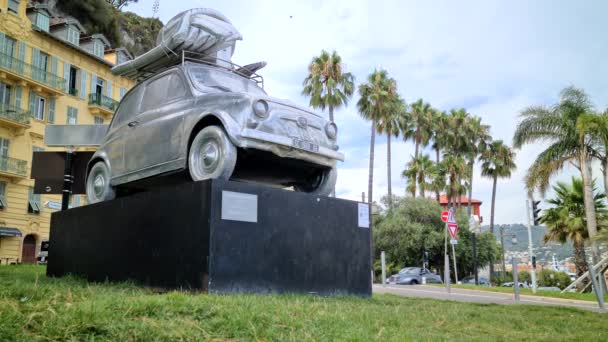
<point x="119" y="130"/>
<point x="156" y="137"/>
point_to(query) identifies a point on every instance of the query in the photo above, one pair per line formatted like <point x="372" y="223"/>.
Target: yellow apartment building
<point x="51" y="72"/>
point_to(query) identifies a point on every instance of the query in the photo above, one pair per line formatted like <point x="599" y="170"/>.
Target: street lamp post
<point x="502" y="244"/>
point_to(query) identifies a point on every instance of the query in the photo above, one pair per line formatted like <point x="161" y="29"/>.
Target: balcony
<point x="100" y="104"/>
<point x="14" y="117"/>
<point x="23" y="73"/>
<point x="73" y="91"/>
<point x="14" y="168"/>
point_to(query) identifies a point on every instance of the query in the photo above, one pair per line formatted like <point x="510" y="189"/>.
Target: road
<point x="476" y="296"/>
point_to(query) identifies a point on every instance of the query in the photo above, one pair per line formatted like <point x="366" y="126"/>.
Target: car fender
<point x="99" y="155"/>
<point x="230" y="125"/>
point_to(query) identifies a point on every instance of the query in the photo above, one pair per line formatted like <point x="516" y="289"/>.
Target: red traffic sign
<point x="444" y="216"/>
<point x="453" y="228"/>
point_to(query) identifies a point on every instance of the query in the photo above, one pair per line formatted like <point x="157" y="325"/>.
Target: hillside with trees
<point x="123" y="29"/>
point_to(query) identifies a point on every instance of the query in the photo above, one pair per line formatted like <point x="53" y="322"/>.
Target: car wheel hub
<point x="99" y="184"/>
<point x="210" y="156"/>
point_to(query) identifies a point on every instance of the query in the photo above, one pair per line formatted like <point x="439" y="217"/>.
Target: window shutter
<point x="93" y="83"/>
<point x="32" y="103"/>
<point x="2" y="42"/>
<point x="55" y="66"/>
<point x="66" y="75"/>
<point x="109" y="89"/>
<point x="18" y="97"/>
<point x="51" y="110"/>
<point x="21" y="56"/>
<point x="35" y="57"/>
<point x="123" y="91"/>
<point x="75" y="114"/>
<point x="83" y="85"/>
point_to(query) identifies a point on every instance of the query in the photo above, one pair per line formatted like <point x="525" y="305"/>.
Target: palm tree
<point x="558" y="124"/>
<point x="389" y="124"/>
<point x="437" y="176"/>
<point x="478" y="137"/>
<point x="419" y="170"/>
<point x="566" y="220"/>
<point x="596" y="126"/>
<point x="454" y="166"/>
<point x="416" y="125"/>
<point x="376" y="94"/>
<point x="498" y="161"/>
<point x="327" y="83"/>
<point x="439" y="128"/>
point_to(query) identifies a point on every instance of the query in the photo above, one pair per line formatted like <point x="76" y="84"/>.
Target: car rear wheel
<point x="98" y="184"/>
<point x="212" y="155"/>
<point x="321" y="185"/>
<point x="413" y="282"/>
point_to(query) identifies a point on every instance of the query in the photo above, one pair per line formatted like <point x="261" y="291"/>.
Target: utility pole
<point x="446" y="261"/>
<point x="475" y="258"/>
<point x="363" y="197"/>
<point x="502" y="244"/>
<point x="530" y="250"/>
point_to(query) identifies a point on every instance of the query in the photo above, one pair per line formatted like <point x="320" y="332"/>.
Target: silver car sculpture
<point x="215" y="122"/>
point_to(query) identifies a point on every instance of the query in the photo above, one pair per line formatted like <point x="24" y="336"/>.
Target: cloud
<point x="493" y="58"/>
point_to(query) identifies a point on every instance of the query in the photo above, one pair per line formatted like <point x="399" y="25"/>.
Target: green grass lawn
<point x="554" y="294"/>
<point x="34" y="307"/>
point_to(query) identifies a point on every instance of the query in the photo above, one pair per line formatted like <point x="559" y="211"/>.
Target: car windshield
<point x="213" y="79"/>
<point x="413" y="271"/>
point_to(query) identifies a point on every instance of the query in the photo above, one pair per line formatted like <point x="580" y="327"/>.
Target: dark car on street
<point x="470" y="280"/>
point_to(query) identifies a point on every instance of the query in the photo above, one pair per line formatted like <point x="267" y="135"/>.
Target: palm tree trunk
<point x="492" y="220"/>
<point x="437" y="154"/>
<point x="388" y="171"/>
<point x="469" y="207"/>
<point x="371" y="165"/>
<point x="331" y="118"/>
<point x="605" y="171"/>
<point x="580" y="261"/>
<point x="589" y="202"/>
<point x="416" y="145"/>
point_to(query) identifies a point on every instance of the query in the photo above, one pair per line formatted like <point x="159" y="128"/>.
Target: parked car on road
<point x="521" y="285"/>
<point x="414" y="275"/>
<point x="470" y="280"/>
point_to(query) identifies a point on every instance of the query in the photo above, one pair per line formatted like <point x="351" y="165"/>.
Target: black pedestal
<point x="217" y="236"/>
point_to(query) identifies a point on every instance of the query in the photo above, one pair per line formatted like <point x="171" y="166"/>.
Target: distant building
<point x="51" y="72"/>
<point x="464" y="201"/>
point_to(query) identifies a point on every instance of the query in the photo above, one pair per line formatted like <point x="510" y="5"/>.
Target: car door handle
<point x="133" y="123"/>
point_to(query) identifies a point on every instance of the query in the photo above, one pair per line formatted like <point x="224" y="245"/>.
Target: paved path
<point x="476" y="296"/>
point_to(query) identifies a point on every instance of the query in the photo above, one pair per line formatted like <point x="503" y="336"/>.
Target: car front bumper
<point x="282" y="146"/>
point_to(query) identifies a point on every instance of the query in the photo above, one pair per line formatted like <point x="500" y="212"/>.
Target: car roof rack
<point x="243" y="71"/>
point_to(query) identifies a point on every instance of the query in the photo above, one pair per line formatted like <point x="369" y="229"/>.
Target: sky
<point x="493" y="58"/>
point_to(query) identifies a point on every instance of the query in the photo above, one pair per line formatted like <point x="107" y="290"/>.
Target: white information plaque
<point x="238" y="206"/>
<point x="363" y="215"/>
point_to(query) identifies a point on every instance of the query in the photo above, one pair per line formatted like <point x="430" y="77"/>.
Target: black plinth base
<point x="217" y="236"/>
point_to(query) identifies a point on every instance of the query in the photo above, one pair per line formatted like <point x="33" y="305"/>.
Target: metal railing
<point x="14" y="166"/>
<point x="15" y="114"/>
<point x="103" y="101"/>
<point x="73" y="92"/>
<point x="221" y="63"/>
<point x="17" y="66"/>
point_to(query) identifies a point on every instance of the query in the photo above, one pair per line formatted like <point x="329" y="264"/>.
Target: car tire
<point x="212" y="155"/>
<point x="413" y="282"/>
<point x="321" y="185"/>
<point x="98" y="186"/>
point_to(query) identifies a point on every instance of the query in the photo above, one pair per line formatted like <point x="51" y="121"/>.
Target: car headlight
<point x="260" y="109"/>
<point x="332" y="130"/>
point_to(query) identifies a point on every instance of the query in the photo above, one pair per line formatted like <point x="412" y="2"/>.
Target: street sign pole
<point x="383" y="260"/>
<point x="446" y="261"/>
<point x="475" y="258"/>
<point x="455" y="269"/>
<point x="515" y="279"/>
<point x="68" y="179"/>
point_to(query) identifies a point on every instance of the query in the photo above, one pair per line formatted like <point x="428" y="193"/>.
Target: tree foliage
<point x="415" y="224"/>
<point x="96" y="17"/>
<point x="118" y="4"/>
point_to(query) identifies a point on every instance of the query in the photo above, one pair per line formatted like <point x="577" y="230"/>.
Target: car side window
<point x="129" y="107"/>
<point x="163" y="90"/>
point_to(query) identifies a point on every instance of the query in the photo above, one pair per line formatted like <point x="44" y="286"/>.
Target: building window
<point x="33" y="202"/>
<point x="72" y="116"/>
<point x="43" y="62"/>
<point x="13" y="6"/>
<point x="9" y="46"/>
<point x="4" y="143"/>
<point x="39" y="109"/>
<point x="98" y="49"/>
<point x="5" y="95"/>
<point x="42" y="21"/>
<point x="98" y="120"/>
<point x="123" y="91"/>
<point x="73" y="35"/>
<point x="2" y="195"/>
<point x="73" y="81"/>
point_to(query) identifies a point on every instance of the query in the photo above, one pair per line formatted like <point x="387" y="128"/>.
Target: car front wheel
<point x="212" y="155"/>
<point x="98" y="184"/>
<point x="320" y="185"/>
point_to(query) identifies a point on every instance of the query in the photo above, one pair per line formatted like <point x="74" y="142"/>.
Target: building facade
<point x="464" y="202"/>
<point x="51" y="72"/>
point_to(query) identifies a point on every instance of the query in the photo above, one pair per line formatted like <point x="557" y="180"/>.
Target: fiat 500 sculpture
<point x="215" y="121"/>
